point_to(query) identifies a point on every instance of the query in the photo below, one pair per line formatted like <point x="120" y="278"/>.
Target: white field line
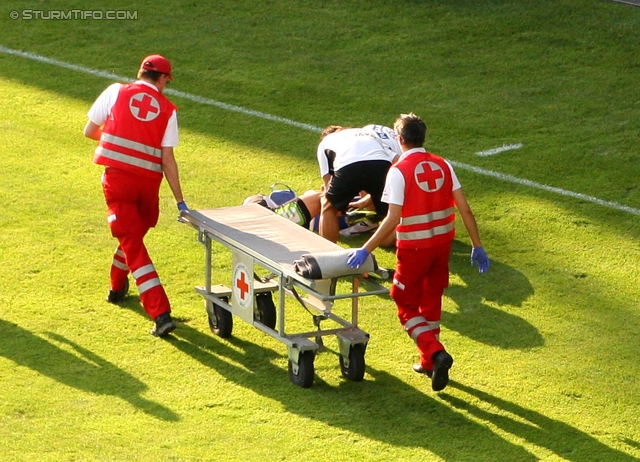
<point x="533" y="184"/>
<point x="506" y="147"/>
<point x="229" y="107"/>
<point x="630" y="2"/>
<point x="169" y="91"/>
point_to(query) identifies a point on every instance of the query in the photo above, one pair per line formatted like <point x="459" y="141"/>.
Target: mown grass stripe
<point x="263" y="115"/>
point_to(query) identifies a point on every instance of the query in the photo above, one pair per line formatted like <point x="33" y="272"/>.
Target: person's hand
<point x="479" y="256"/>
<point x="356" y="258"/>
<point x="182" y="206"/>
<point x="362" y="203"/>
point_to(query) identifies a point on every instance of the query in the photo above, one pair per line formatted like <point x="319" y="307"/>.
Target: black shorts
<point x="346" y="183"/>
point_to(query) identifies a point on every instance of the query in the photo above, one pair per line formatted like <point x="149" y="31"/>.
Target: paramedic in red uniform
<point x="422" y="191"/>
<point x="137" y="129"/>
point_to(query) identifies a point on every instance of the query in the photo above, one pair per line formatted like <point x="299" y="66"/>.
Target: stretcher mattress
<point x="261" y="233"/>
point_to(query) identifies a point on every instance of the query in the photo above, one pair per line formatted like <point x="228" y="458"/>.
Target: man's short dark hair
<point x="411" y="128"/>
<point x="151" y="75"/>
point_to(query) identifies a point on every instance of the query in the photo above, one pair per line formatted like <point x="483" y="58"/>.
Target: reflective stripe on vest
<point x="129" y="159"/>
<point x="428" y="218"/>
<point x="426" y="234"/>
<point x="125" y="143"/>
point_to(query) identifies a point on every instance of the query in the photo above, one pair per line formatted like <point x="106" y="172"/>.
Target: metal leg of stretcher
<point x="257" y="298"/>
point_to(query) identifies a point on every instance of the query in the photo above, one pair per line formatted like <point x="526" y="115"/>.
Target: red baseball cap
<point x="157" y="63"/>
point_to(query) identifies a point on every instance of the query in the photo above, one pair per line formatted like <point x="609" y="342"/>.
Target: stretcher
<point x="260" y="240"/>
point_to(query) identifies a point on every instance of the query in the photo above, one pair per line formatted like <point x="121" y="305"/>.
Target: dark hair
<point x="151" y="75"/>
<point x="411" y="128"/>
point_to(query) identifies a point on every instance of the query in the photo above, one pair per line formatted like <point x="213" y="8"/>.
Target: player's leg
<point x="329" y="227"/>
<point x="312" y="201"/>
<point x="342" y="188"/>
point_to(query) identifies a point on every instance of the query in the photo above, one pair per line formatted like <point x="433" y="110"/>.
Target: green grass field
<point x="545" y="345"/>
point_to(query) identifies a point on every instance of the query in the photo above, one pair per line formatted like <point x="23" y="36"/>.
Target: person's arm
<point x="326" y="179"/>
<point x="92" y="130"/>
<point x="387" y="227"/>
<point x="100" y="110"/>
<point x="478" y="254"/>
<point x="170" y="169"/>
<point x="467" y="216"/>
<point x="356" y="258"/>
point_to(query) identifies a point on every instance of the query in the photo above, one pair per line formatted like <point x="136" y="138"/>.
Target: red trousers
<point x="418" y="285"/>
<point x="133" y="208"/>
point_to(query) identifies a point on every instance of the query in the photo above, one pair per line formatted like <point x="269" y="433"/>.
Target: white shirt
<point x="101" y="108"/>
<point x="350" y="146"/>
<point x="387" y="137"/>
<point x="394" y="186"/>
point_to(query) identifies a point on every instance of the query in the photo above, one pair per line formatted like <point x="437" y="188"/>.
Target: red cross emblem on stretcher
<point x="242" y="285"/>
<point x="429" y="176"/>
<point x="144" y="107"/>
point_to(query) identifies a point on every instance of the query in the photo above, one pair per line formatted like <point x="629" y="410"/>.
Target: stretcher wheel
<point x="265" y="312"/>
<point x="222" y="323"/>
<point x="303" y="376"/>
<point x="355" y="370"/>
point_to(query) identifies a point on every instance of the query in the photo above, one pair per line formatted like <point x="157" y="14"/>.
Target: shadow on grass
<point x="382" y="407"/>
<point x="533" y="427"/>
<point x="386" y="409"/>
<point x="477" y="320"/>
<point x="87" y="371"/>
<point x="502" y="285"/>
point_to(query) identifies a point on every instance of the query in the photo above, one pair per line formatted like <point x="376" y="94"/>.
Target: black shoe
<point x="164" y="325"/>
<point x="442" y="362"/>
<point x="421" y="370"/>
<point x="116" y="296"/>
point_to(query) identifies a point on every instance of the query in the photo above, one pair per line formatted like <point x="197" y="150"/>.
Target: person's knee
<point x="326" y="205"/>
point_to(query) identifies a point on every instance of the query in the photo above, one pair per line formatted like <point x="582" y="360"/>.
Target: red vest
<point x="428" y="213"/>
<point x="132" y="135"/>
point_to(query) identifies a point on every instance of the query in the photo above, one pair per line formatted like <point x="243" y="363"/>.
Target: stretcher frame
<point x="258" y="237"/>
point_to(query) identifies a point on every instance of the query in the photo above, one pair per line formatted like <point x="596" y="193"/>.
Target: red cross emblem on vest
<point x="429" y="176"/>
<point x="144" y="107"/>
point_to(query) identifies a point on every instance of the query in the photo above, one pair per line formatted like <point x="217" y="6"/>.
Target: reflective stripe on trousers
<point x="147" y="284"/>
<point x="419" y="325"/>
